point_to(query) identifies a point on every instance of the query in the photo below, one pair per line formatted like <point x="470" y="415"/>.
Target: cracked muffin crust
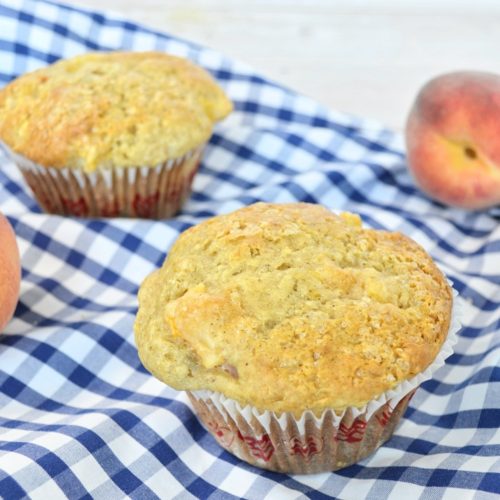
<point x="290" y="307"/>
<point x="111" y="109"/>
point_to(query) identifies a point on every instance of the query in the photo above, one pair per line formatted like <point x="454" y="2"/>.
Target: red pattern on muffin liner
<point x="288" y="445"/>
<point x="145" y="192"/>
<point x="312" y="444"/>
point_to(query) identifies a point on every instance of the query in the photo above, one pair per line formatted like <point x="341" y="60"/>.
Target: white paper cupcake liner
<point x="311" y="444"/>
<point x="146" y="192"/>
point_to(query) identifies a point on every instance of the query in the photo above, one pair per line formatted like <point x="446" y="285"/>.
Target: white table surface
<point x="364" y="57"/>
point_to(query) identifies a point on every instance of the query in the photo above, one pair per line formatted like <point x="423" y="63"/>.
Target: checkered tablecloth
<point x="79" y="415"/>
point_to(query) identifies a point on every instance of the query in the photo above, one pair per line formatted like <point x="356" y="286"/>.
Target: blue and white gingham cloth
<point x="79" y="415"/>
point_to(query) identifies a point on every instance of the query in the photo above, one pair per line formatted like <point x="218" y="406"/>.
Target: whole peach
<point x="453" y="139"/>
<point x="10" y="272"/>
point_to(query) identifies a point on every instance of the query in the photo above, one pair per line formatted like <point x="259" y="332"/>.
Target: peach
<point x="453" y="139"/>
<point x="10" y="272"/>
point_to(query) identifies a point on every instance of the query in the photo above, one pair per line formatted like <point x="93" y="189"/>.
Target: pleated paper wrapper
<point x="147" y="192"/>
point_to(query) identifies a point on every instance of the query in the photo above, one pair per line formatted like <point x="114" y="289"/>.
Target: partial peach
<point x="10" y="272"/>
<point x="453" y="139"/>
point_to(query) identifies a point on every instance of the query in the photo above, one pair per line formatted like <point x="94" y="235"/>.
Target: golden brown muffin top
<point x="117" y="109"/>
<point x="290" y="307"/>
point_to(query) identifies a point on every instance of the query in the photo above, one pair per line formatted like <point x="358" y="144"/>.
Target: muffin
<point x="299" y="335"/>
<point x="111" y="134"/>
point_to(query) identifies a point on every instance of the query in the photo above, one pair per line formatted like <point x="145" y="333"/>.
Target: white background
<point x="364" y="57"/>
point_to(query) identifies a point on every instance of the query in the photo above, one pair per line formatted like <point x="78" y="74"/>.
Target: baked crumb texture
<point x="116" y="109"/>
<point x="290" y="307"/>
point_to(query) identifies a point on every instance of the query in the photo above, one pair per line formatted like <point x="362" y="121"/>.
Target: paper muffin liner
<point x="146" y="192"/>
<point x="311" y="444"/>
